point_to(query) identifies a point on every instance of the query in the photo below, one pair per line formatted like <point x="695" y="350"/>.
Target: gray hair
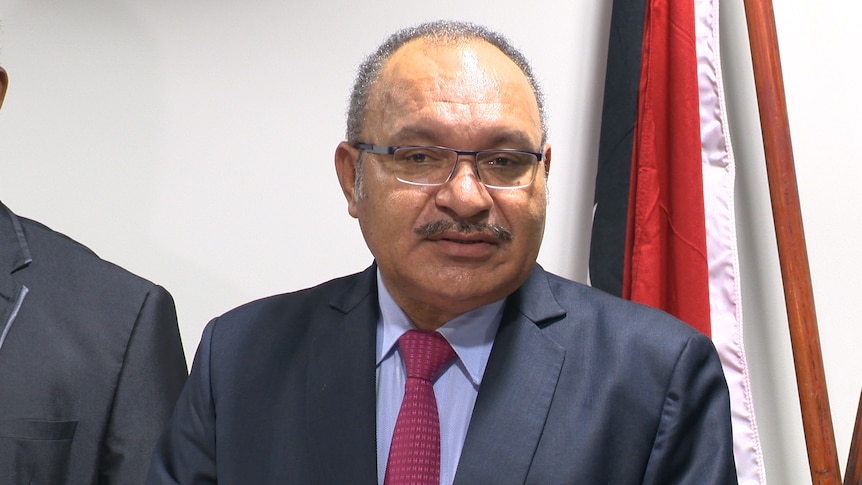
<point x="438" y="31"/>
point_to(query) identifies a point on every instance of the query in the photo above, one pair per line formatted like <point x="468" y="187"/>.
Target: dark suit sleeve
<point x="186" y="452"/>
<point x="694" y="440"/>
<point x="153" y="372"/>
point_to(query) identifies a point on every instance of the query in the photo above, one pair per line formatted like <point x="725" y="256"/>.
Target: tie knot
<point x="425" y="353"/>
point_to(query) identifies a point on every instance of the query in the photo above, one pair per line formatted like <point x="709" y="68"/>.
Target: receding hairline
<point x="435" y="34"/>
<point x="393" y="78"/>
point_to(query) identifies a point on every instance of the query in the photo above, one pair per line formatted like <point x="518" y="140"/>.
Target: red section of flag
<point x="665" y="259"/>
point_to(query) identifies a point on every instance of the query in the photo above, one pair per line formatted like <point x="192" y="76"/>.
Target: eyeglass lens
<point x="433" y="166"/>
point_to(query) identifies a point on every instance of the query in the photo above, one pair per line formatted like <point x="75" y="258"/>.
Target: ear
<point x="4" y="82"/>
<point x="547" y="159"/>
<point x="346" y="158"/>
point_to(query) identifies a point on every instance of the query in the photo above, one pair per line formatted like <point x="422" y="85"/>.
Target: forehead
<point x="465" y="84"/>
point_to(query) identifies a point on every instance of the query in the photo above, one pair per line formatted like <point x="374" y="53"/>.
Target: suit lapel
<point x="341" y="390"/>
<point x="14" y="255"/>
<point x="516" y="391"/>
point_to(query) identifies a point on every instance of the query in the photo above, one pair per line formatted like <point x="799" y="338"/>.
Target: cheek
<point x="389" y="214"/>
<point x="522" y="211"/>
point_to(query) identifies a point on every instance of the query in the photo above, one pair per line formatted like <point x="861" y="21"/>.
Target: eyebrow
<point x="509" y="138"/>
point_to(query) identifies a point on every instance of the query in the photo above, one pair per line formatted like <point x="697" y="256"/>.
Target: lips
<point x="464" y="246"/>
<point x="464" y="242"/>
<point x="462" y="238"/>
<point x="464" y="231"/>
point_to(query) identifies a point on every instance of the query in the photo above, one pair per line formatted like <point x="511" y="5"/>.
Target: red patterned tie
<point x="414" y="456"/>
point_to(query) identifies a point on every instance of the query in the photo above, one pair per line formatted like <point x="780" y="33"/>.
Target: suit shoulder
<point x="293" y="299"/>
<point x="309" y="304"/>
<point x="617" y="337"/>
<point x="609" y="316"/>
<point x="285" y="322"/>
<point x="71" y="262"/>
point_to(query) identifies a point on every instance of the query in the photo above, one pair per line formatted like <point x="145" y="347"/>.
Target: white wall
<point x="192" y="142"/>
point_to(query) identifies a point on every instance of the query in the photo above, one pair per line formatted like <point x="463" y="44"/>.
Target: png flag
<point x="663" y="227"/>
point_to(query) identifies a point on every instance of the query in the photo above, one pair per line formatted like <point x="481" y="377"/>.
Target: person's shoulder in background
<point x="90" y="357"/>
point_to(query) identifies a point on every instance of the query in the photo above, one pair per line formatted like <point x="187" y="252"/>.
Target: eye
<point x="416" y="157"/>
<point x="420" y="156"/>
<point x="505" y="160"/>
<point x="500" y="161"/>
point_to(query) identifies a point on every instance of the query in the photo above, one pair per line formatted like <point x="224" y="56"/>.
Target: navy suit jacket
<point x="91" y="362"/>
<point x="581" y="387"/>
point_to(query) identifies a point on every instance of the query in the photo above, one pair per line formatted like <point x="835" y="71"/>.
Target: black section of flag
<point x="619" y="112"/>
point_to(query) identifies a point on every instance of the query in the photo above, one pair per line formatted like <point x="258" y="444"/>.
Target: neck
<point x="426" y="318"/>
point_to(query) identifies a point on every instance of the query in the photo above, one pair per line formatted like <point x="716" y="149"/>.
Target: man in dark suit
<point x="551" y="381"/>
<point x="91" y="361"/>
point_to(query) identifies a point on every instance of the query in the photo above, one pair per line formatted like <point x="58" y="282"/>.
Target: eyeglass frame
<point x="390" y="150"/>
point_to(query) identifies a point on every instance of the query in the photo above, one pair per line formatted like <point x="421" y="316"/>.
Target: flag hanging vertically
<point x="663" y="227"/>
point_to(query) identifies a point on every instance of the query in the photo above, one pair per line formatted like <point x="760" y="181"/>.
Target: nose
<point x="464" y="194"/>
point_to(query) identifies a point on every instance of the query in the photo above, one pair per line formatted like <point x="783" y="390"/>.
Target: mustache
<point x="436" y="227"/>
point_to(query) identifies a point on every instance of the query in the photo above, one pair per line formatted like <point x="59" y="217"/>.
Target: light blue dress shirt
<point x="472" y="336"/>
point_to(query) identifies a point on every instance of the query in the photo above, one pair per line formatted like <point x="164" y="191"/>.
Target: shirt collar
<point x="470" y="334"/>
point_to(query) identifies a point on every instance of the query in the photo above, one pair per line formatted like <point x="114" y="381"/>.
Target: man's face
<point x="467" y="97"/>
<point x="4" y="81"/>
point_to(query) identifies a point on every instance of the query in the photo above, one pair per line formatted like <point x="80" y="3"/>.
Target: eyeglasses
<point x="432" y="166"/>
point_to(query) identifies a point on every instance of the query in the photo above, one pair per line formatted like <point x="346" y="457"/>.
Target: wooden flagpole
<point x="853" y="472"/>
<point x="792" y="252"/>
